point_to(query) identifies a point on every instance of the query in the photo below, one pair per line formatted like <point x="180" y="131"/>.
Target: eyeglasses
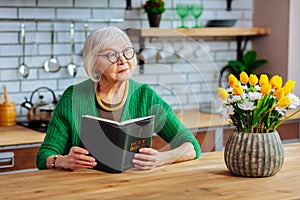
<point x="114" y="56"/>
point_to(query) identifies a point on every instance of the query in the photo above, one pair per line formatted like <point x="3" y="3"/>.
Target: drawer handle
<point x="6" y="160"/>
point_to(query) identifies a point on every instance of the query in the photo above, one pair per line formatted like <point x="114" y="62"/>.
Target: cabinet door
<point x="23" y="158"/>
<point x="289" y="131"/>
<point x="206" y="139"/>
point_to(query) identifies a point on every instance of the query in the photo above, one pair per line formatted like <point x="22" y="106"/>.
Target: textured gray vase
<point x="254" y="154"/>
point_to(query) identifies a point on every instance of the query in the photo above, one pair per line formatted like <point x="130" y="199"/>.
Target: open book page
<point x="119" y="123"/>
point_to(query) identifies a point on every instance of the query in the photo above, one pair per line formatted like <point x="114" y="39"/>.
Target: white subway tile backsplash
<point x="8" y="13"/>
<point x="74" y="13"/>
<point x="47" y="3"/>
<point x="173" y="79"/>
<point x="108" y="13"/>
<point x="29" y="86"/>
<point x="146" y="78"/>
<point x="117" y="4"/>
<point x="91" y="3"/>
<point x="10" y="74"/>
<point x="8" y="38"/>
<point x="37" y="13"/>
<point x="157" y="68"/>
<point x="8" y="62"/>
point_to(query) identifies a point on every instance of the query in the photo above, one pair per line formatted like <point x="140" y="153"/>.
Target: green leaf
<point x="250" y="57"/>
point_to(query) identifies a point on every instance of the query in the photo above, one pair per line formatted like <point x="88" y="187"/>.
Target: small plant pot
<point x="154" y="19"/>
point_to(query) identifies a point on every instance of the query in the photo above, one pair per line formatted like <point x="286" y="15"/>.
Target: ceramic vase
<point x="254" y="154"/>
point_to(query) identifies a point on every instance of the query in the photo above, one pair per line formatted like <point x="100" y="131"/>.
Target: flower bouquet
<point x="257" y="105"/>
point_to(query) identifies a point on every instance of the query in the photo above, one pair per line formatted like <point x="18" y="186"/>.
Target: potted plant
<point x="154" y="9"/>
<point x="248" y="64"/>
<point x="256" y="107"/>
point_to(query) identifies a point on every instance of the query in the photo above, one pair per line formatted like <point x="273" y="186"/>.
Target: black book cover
<point x="113" y="144"/>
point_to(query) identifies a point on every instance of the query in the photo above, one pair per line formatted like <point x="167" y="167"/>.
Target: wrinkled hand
<point x="148" y="158"/>
<point x="77" y="158"/>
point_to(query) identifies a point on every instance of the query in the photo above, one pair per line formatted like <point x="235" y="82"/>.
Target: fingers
<point x="146" y="159"/>
<point x="78" y="158"/>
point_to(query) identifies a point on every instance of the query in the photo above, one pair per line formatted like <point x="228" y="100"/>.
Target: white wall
<point x="294" y="45"/>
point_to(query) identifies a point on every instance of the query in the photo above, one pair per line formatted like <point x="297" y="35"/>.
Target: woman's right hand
<point x="77" y="158"/>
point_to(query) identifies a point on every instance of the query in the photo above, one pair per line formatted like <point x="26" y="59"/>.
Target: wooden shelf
<point x="205" y="32"/>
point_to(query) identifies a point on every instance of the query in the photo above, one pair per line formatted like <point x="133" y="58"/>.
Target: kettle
<point x="41" y="111"/>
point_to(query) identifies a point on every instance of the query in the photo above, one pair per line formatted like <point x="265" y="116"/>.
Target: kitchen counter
<point x="19" y="135"/>
<point x="205" y="178"/>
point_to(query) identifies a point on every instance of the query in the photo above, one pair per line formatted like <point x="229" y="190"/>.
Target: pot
<point x="42" y="111"/>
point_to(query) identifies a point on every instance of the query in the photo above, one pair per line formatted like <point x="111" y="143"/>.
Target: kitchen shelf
<point x="242" y="35"/>
<point x="205" y="32"/>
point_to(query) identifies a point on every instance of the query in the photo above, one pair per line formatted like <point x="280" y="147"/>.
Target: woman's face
<point x="116" y="63"/>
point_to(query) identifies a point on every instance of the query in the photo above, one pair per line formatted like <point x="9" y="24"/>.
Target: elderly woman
<point x="109" y="60"/>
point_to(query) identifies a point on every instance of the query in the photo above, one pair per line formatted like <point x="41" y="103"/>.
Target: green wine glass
<point x="196" y="11"/>
<point x="182" y="10"/>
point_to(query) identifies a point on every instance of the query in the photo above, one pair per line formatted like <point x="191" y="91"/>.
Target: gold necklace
<point x="104" y="107"/>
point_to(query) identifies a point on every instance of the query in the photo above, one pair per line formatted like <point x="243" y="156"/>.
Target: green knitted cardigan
<point x="79" y="99"/>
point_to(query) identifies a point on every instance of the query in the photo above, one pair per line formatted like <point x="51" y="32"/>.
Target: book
<point x="113" y="144"/>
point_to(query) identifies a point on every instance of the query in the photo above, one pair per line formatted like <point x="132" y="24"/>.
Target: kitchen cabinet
<point x="18" y="158"/>
<point x="18" y="148"/>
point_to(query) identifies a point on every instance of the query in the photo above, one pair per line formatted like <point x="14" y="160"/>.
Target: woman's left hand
<point x="148" y="158"/>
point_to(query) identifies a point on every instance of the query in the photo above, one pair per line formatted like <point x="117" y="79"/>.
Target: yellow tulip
<point x="263" y="80"/>
<point x="276" y="82"/>
<point x="265" y="89"/>
<point x="253" y="80"/>
<point x="279" y="93"/>
<point x="223" y="94"/>
<point x="284" y="102"/>
<point x="232" y="80"/>
<point x="288" y="86"/>
<point x="244" y="78"/>
<point x="238" y="90"/>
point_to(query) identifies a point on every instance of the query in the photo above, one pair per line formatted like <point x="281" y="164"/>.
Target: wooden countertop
<point x="205" y="178"/>
<point x="18" y="135"/>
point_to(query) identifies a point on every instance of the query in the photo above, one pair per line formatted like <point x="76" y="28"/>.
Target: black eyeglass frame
<point x="119" y="54"/>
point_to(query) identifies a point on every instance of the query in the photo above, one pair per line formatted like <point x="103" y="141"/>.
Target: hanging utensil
<point x="23" y="68"/>
<point x="72" y="68"/>
<point x="86" y="29"/>
<point x="52" y="65"/>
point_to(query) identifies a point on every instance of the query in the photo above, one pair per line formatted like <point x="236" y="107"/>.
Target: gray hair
<point x="101" y="39"/>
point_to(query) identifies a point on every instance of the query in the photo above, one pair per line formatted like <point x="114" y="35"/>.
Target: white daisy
<point x="257" y="87"/>
<point x="295" y="101"/>
<point x="227" y="111"/>
<point x="234" y="98"/>
<point x="281" y="111"/>
<point x="247" y="105"/>
<point x="254" y="95"/>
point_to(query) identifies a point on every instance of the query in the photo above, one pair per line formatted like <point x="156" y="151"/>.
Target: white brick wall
<point x="191" y="79"/>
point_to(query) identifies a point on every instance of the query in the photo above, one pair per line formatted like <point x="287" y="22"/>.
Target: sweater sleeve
<point x="57" y="140"/>
<point x="168" y="126"/>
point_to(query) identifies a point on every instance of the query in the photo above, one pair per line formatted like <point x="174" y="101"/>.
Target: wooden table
<point x="205" y="178"/>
